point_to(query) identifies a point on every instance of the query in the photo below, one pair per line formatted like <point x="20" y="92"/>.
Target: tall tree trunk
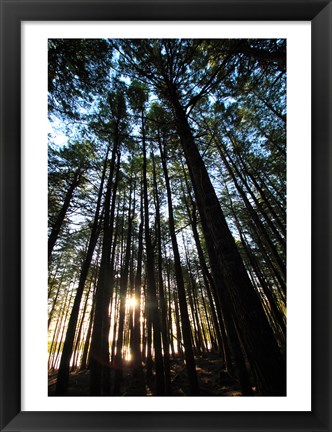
<point x="62" y="328"/>
<point x="151" y="281"/>
<point x="212" y="332"/>
<point x="256" y="333"/>
<point x="58" y="327"/>
<point x="63" y="374"/>
<point x="179" y="337"/>
<point x="106" y="319"/>
<point x="84" y="360"/>
<point x="253" y="262"/>
<point x="118" y="361"/>
<point x="209" y="280"/>
<point x="186" y="332"/>
<point x="79" y="330"/>
<point x="99" y="354"/>
<point x="170" y="319"/>
<point x="162" y="300"/>
<point x="136" y="333"/>
<point x="199" y="325"/>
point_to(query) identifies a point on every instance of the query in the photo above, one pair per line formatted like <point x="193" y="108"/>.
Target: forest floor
<point x="213" y="380"/>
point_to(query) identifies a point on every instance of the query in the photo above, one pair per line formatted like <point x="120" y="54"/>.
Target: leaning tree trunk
<point x="255" y="332"/>
<point x="62" y="214"/>
<point x="63" y="373"/>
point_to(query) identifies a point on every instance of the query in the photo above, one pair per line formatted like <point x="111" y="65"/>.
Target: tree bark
<point x="256" y="333"/>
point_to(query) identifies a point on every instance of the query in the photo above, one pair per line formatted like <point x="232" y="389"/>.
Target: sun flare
<point x="132" y="302"/>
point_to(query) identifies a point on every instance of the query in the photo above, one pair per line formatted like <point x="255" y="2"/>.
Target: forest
<point x="167" y="217"/>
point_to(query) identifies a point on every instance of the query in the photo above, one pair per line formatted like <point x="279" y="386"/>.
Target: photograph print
<point x="167" y="217"/>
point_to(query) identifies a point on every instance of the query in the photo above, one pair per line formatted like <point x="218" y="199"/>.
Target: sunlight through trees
<point x="167" y="217"/>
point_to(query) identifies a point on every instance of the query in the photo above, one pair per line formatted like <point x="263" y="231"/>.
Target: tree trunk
<point x="151" y="281"/>
<point x="118" y="361"/>
<point x="62" y="214"/>
<point x="244" y="305"/>
<point x="186" y="332"/>
<point x="99" y="354"/>
<point x="63" y="374"/>
<point x="162" y="300"/>
<point x="84" y="362"/>
<point x="136" y="333"/>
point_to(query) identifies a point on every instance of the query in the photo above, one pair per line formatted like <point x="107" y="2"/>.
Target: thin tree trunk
<point x="170" y="320"/>
<point x="136" y="333"/>
<point x="209" y="283"/>
<point x="186" y="332"/>
<point x="162" y="300"/>
<point x="118" y="363"/>
<point x="84" y="362"/>
<point x="151" y="281"/>
<point x="260" y="190"/>
<point x="54" y="302"/>
<point x="270" y="107"/>
<point x="79" y="331"/>
<point x="62" y="214"/>
<point x="63" y="328"/>
<point x="56" y="332"/>
<point x="263" y="233"/>
<point x="271" y="224"/>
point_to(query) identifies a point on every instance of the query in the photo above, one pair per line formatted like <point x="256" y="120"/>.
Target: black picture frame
<point x="13" y="12"/>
